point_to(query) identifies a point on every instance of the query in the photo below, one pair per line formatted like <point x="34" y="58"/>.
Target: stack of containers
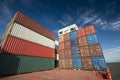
<point x="85" y="48"/>
<point x="26" y="47"/>
<point x="95" y="49"/>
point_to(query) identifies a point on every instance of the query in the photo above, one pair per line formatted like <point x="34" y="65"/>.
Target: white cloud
<point x="112" y="55"/>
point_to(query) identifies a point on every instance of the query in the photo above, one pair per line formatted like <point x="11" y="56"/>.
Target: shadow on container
<point x="8" y="64"/>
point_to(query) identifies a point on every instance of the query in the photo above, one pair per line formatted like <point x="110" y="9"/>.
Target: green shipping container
<point x="12" y="64"/>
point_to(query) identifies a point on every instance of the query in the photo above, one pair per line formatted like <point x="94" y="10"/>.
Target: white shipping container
<point x="22" y="32"/>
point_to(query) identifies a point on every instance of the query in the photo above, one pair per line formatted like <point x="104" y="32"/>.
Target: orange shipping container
<point x="61" y="54"/>
<point x="90" y="30"/>
<point x="95" y="50"/>
<point x="68" y="53"/>
<point x="82" y="41"/>
<point x="66" y="37"/>
<point x="61" y="38"/>
<point x="67" y="44"/>
<point x="81" y="32"/>
<point x="68" y="63"/>
<point x="84" y="51"/>
<point x="61" y="45"/>
<point x="21" y="47"/>
<point x="62" y="63"/>
<point x="87" y="63"/>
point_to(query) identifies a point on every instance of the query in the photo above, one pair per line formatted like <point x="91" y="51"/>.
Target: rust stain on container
<point x="18" y="46"/>
<point x="66" y="36"/>
<point x="81" y="32"/>
<point x="67" y="44"/>
<point x="90" y="30"/>
<point x="84" y="51"/>
<point x="82" y="41"/>
<point x="29" y="23"/>
<point x="87" y="63"/>
<point x="95" y="50"/>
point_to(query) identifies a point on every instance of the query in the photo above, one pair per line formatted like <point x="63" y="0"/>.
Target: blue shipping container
<point x="99" y="63"/>
<point x="92" y="39"/>
<point x="73" y="35"/>
<point x="74" y="42"/>
<point x="77" y="63"/>
<point x="75" y="48"/>
<point x="76" y="55"/>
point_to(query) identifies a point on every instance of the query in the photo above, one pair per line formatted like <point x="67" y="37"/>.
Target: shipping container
<point x="67" y="36"/>
<point x="84" y="51"/>
<point x="68" y="63"/>
<point x="61" y="38"/>
<point x="67" y="44"/>
<point x="82" y="41"/>
<point x="87" y="63"/>
<point x="62" y="54"/>
<point x="13" y="64"/>
<point x="74" y="42"/>
<point x="22" y="19"/>
<point x="22" y="32"/>
<point x="95" y="50"/>
<point x="77" y="64"/>
<point x="99" y="63"/>
<point x="90" y="30"/>
<point x="61" y="46"/>
<point x="62" y="64"/>
<point x="81" y="32"/>
<point x="68" y="53"/>
<point x="92" y="39"/>
<point x="73" y="35"/>
<point x="18" y="46"/>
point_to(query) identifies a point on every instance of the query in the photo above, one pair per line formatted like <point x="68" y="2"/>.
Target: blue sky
<point x="56" y="14"/>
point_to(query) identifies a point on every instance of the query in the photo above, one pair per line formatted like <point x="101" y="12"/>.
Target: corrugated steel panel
<point x="62" y="54"/>
<point x="22" y="32"/>
<point x="62" y="64"/>
<point x="66" y="36"/>
<point x="68" y="63"/>
<point x="87" y="63"/>
<point x="95" y="50"/>
<point x="13" y="64"/>
<point x="61" y="45"/>
<point x="99" y="63"/>
<point x="75" y="51"/>
<point x="82" y="41"/>
<point x="67" y="45"/>
<point x="90" y="30"/>
<point x="73" y="35"/>
<point x="74" y="42"/>
<point x="21" y="47"/>
<point x="29" y="23"/>
<point x="68" y="53"/>
<point x="77" y="64"/>
<point x="61" y="38"/>
<point x="81" y="32"/>
<point x="92" y="39"/>
<point x="84" y="51"/>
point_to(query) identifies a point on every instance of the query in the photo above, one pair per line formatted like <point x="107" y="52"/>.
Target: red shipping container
<point x="66" y="37"/>
<point x="68" y="53"/>
<point x="29" y="23"/>
<point x="90" y="30"/>
<point x="61" y="38"/>
<point x="81" y="32"/>
<point x="61" y="45"/>
<point x="62" y="63"/>
<point x="95" y="50"/>
<point x="84" y="51"/>
<point x="21" y="47"/>
<point x="82" y="41"/>
<point x="61" y="54"/>
<point x="67" y="44"/>
<point x="87" y="63"/>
